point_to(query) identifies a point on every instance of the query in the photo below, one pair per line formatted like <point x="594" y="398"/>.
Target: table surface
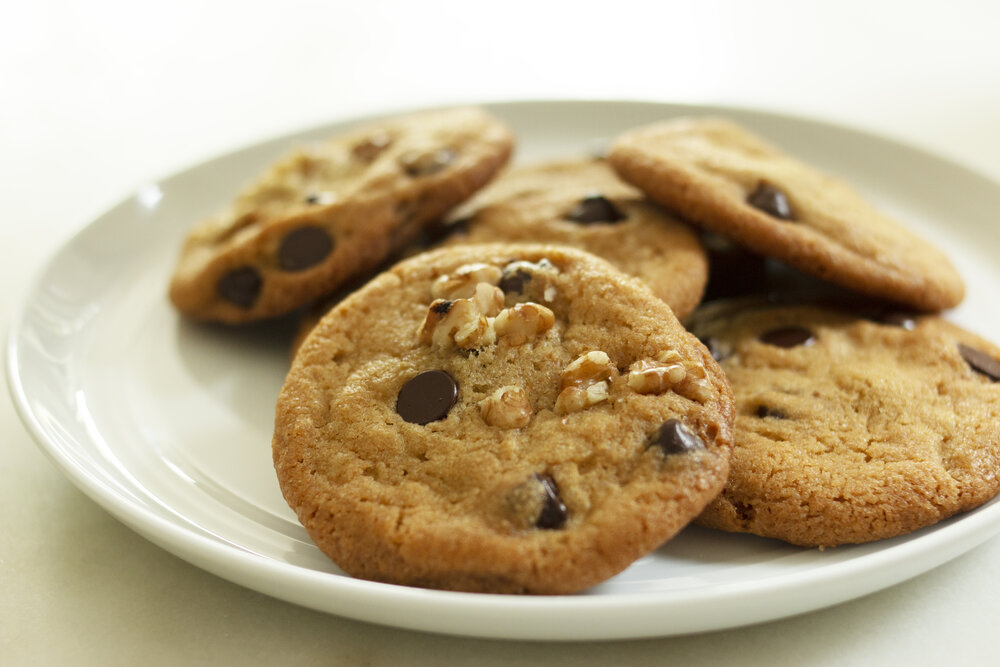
<point x="101" y="96"/>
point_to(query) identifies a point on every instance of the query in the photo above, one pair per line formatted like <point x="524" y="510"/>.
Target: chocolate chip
<point x="675" y="438"/>
<point x="763" y="411"/>
<point x="369" y="148"/>
<point x="595" y="209"/>
<point x="240" y="286"/>
<point x="771" y="200"/>
<point x="980" y="362"/>
<point x="424" y="164"/>
<point x="789" y="336"/>
<point x="304" y="247"/>
<point x="427" y="397"/>
<point x="513" y="282"/>
<point x="553" y="512"/>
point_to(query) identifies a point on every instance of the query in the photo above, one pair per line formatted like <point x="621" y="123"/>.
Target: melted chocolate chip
<point x="424" y="164"/>
<point x="789" y="336"/>
<point x="772" y="201"/>
<point x="980" y="362"/>
<point x="764" y="411"/>
<point x="675" y="438"/>
<point x="595" y="209"/>
<point x="553" y="512"/>
<point x="513" y="282"/>
<point x="427" y="397"/>
<point x="303" y="248"/>
<point x="240" y="286"/>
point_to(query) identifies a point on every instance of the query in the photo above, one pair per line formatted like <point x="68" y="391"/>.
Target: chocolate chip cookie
<point x="500" y="418"/>
<point x="723" y="178"/>
<point x="329" y="212"/>
<point x="582" y="203"/>
<point x="852" y="426"/>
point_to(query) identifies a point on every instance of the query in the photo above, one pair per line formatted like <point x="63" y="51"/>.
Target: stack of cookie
<point x="515" y="406"/>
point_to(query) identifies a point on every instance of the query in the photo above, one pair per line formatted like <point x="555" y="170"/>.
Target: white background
<point x="99" y="97"/>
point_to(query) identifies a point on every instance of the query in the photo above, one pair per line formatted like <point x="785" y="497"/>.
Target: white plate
<point x="167" y="424"/>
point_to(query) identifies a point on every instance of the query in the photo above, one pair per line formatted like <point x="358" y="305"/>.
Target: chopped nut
<point x="584" y="382"/>
<point x="463" y="282"/>
<point x="576" y="398"/>
<point x="695" y="385"/>
<point x="523" y="322"/>
<point x="507" y="407"/>
<point x="459" y="321"/>
<point x="488" y="299"/>
<point x="587" y="369"/>
<point x="648" y="377"/>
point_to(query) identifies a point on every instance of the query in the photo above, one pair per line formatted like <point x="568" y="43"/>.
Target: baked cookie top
<point x="500" y="418"/>
<point x="328" y="212"/>
<point x="852" y="426"/>
<point x="582" y="203"/>
<point x="721" y="177"/>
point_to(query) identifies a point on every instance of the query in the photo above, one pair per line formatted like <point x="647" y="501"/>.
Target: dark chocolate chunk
<point x="369" y="148"/>
<point x="240" y="286"/>
<point x="553" y="512"/>
<point x="424" y="164"/>
<point x="765" y="411"/>
<point x="303" y="248"/>
<point x="675" y="438"/>
<point x="789" y="336"/>
<point x="980" y="362"/>
<point x="513" y="282"/>
<point x="595" y="209"/>
<point x="772" y="201"/>
<point x="427" y="397"/>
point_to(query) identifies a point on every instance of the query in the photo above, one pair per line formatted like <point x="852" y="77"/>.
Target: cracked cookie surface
<point x="331" y="211"/>
<point x="852" y="426"/>
<point x="719" y="176"/>
<point x="500" y="418"/>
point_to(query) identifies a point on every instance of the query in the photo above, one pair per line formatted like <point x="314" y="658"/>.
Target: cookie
<point x="500" y="418"/>
<point x="582" y="203"/>
<point x="852" y="426"/>
<point x="723" y="178"/>
<point x="329" y="212"/>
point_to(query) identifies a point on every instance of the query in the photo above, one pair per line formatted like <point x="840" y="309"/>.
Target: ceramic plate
<point x="167" y="424"/>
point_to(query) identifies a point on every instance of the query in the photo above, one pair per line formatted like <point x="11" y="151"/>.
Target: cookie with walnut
<point x="500" y="418"/>
<point x="329" y="212"/>
<point x="583" y="204"/>
<point x="723" y="178"/>
<point x="852" y="425"/>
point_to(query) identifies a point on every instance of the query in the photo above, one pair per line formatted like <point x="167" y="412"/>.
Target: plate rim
<point x="211" y="555"/>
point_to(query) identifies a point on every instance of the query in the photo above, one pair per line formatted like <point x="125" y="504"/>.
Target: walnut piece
<point x="464" y="281"/>
<point x="585" y="382"/>
<point x="507" y="407"/>
<point x="523" y="322"/>
<point x="695" y="385"/>
<point x="458" y="321"/>
<point x="574" y="399"/>
<point x="658" y="375"/>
